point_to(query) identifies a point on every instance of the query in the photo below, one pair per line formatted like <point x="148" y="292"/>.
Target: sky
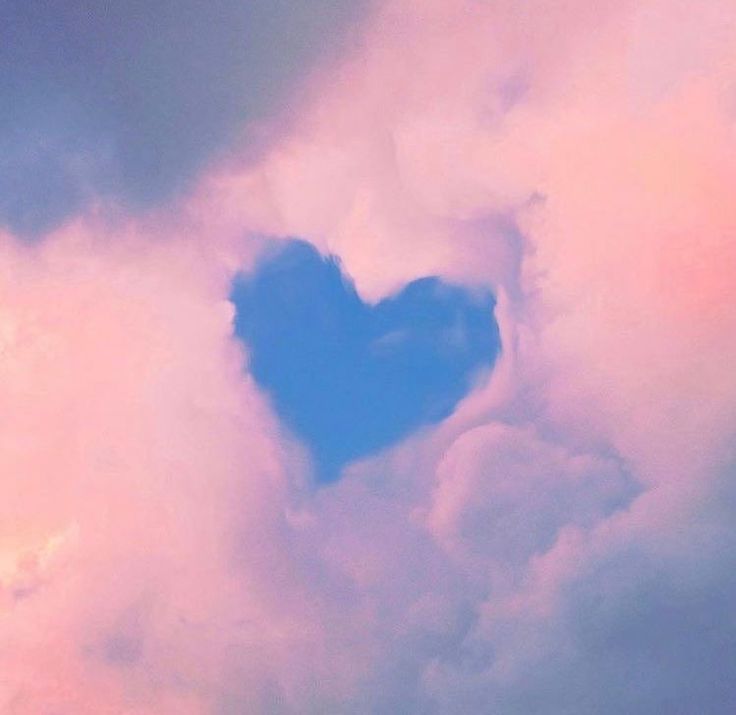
<point x="368" y="357"/>
<point x="350" y="378"/>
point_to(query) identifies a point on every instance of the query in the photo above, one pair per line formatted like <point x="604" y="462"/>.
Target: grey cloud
<point x="130" y="99"/>
<point x="638" y="631"/>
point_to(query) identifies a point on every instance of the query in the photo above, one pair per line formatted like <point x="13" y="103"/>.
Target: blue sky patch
<point x="350" y="378"/>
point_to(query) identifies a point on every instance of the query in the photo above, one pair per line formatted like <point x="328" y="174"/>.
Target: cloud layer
<point x="562" y="543"/>
<point x="129" y="101"/>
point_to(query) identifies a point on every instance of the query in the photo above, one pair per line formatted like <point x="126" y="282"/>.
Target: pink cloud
<point x="161" y="550"/>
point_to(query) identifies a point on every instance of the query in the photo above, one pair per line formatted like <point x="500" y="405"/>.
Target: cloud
<point x="109" y="451"/>
<point x="560" y="543"/>
<point x="503" y="495"/>
<point x="130" y="101"/>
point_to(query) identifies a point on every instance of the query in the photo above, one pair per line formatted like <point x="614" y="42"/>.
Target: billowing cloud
<point x="561" y="543"/>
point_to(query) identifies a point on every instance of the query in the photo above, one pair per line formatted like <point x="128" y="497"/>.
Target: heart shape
<point x="351" y="378"/>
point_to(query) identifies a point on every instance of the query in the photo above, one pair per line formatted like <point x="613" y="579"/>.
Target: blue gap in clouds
<point x="351" y="378"/>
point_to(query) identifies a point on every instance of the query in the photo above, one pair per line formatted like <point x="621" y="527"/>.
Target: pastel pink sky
<point x="162" y="550"/>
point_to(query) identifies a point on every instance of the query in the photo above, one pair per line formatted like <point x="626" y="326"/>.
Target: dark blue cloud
<point x="130" y="99"/>
<point x="351" y="378"/>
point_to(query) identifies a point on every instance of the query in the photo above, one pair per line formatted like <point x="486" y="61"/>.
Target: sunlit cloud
<point x="551" y="528"/>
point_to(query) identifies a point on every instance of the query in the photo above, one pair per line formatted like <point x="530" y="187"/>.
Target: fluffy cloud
<point x="129" y="437"/>
<point x="561" y="544"/>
